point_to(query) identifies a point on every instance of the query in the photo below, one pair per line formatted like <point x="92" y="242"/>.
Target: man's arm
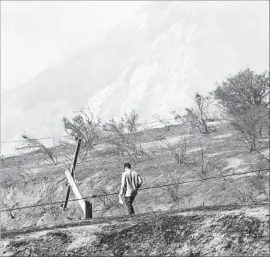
<point x="140" y="181"/>
<point x="123" y="184"/>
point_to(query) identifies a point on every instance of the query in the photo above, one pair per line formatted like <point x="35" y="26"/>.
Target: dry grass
<point x="105" y="168"/>
<point x="212" y="232"/>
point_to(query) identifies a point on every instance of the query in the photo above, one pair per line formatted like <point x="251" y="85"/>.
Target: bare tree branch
<point x="34" y="144"/>
<point x="86" y="127"/>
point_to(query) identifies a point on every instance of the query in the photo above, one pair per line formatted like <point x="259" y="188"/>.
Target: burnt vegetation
<point x="186" y="149"/>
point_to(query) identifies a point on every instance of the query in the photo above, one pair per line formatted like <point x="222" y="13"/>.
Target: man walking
<point x="130" y="183"/>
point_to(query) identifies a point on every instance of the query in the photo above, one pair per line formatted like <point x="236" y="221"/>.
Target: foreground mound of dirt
<point x="238" y="232"/>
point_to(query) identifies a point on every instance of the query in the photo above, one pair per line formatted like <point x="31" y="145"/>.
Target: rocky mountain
<point x="187" y="48"/>
<point x="154" y="62"/>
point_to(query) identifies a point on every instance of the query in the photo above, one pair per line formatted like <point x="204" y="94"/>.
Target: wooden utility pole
<point x="72" y="169"/>
<point x="86" y="206"/>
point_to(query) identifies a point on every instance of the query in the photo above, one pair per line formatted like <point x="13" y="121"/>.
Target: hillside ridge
<point x="221" y="232"/>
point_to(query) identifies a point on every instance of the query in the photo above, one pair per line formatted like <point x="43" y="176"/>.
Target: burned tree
<point x="86" y="127"/>
<point x="33" y="144"/>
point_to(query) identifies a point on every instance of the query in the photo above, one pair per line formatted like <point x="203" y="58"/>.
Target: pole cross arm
<point x="72" y="169"/>
<point x="86" y="206"/>
<point x="76" y="191"/>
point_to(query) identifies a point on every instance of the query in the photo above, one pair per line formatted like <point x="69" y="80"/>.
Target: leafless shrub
<point x="166" y="126"/>
<point x="67" y="148"/>
<point x="197" y="117"/>
<point x="127" y="124"/>
<point x="131" y="121"/>
<point x="178" y="150"/>
<point x="67" y="152"/>
<point x="208" y="164"/>
<point x="125" y="138"/>
<point x="244" y="194"/>
<point x="253" y="186"/>
<point x="205" y="164"/>
<point x="173" y="187"/>
<point x="84" y="126"/>
<point x="136" y="151"/>
<point x="30" y="143"/>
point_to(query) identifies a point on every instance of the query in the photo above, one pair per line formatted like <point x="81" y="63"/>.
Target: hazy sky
<point x="37" y="34"/>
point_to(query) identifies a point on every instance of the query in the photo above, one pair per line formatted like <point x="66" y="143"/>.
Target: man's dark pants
<point x="128" y="202"/>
